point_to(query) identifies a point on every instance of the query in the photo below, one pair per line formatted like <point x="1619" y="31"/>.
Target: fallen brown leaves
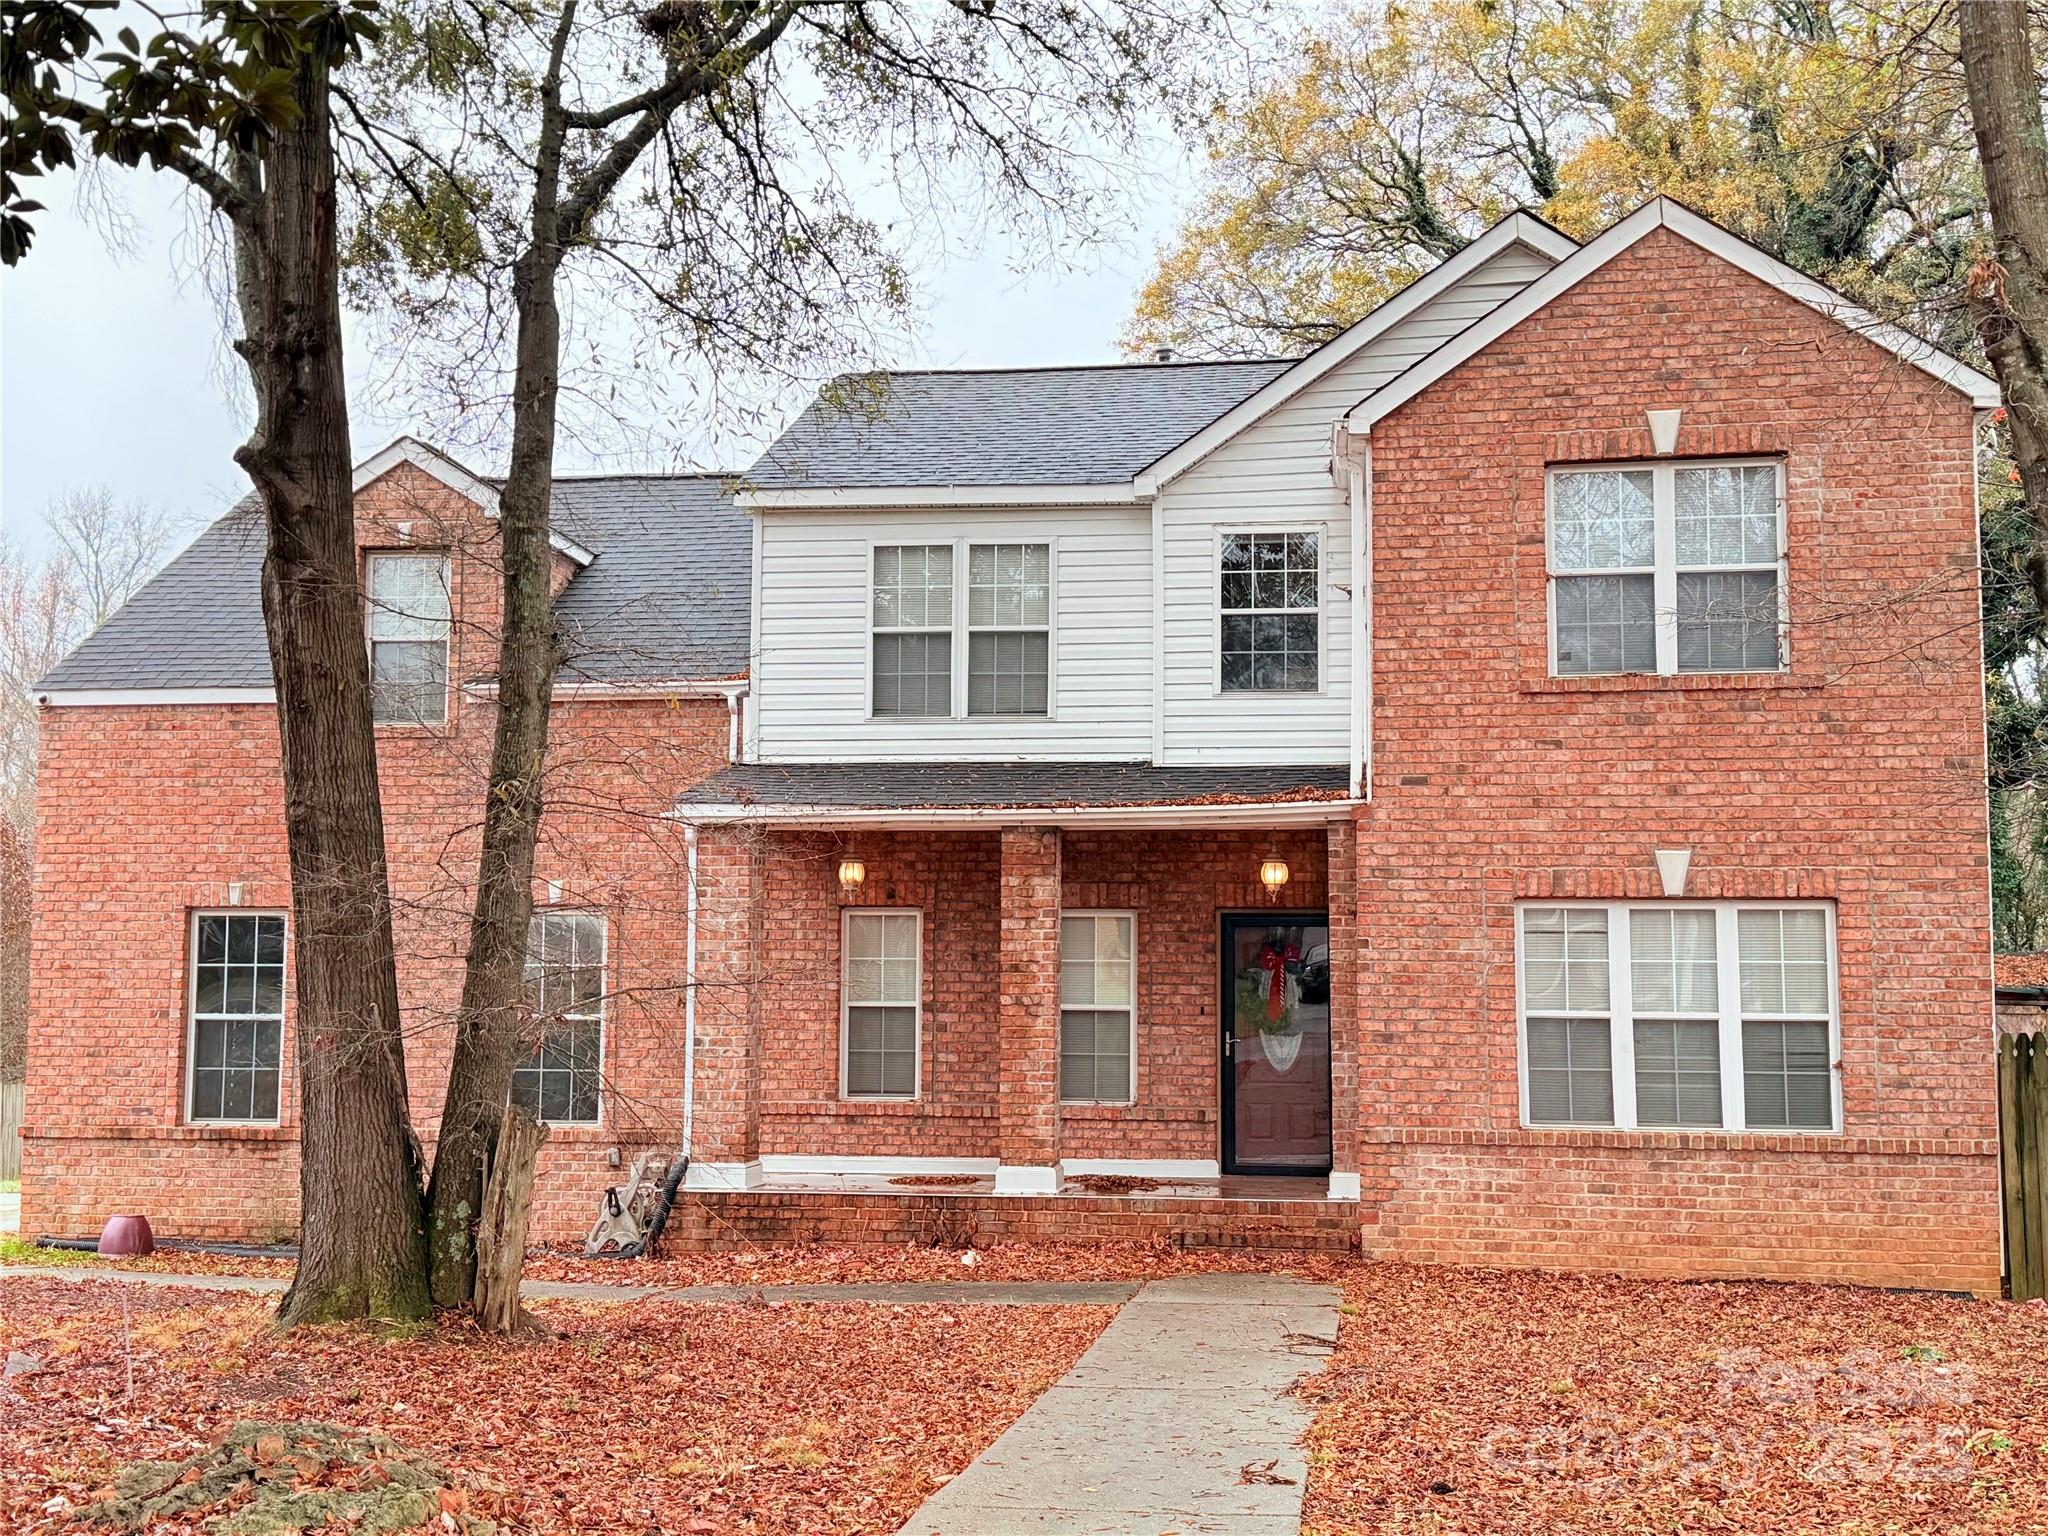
<point x="647" y="1416"/>
<point x="1462" y="1402"/>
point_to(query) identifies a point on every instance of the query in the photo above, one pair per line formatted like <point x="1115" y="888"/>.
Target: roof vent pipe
<point x="1162" y="354"/>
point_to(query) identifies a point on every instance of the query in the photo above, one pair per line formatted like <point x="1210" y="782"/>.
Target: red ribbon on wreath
<point x="1274" y="960"/>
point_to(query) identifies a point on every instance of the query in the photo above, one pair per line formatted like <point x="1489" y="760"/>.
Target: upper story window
<point x="236" y="1029"/>
<point x="565" y="955"/>
<point x="408" y="628"/>
<point x="1667" y="568"/>
<point x="1007" y="638"/>
<point x="1271" y="612"/>
<point x="1716" y="1016"/>
<point x="1009" y="628"/>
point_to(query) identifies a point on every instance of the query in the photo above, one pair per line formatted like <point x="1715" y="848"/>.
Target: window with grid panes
<point x="1009" y="629"/>
<point x="560" y="1083"/>
<point x="408" y="621"/>
<point x="913" y="630"/>
<point x="1270" y="612"/>
<point x="880" y="1003"/>
<point x="1098" y="1002"/>
<point x="236" y="1030"/>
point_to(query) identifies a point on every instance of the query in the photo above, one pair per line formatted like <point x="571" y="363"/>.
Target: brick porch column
<point x="1347" y="1030"/>
<point x="1028" y="1013"/>
<point x="725" y="1139"/>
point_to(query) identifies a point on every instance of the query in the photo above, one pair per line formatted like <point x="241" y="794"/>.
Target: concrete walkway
<point x="10" y="1212"/>
<point x="954" y="1293"/>
<point x="1175" y="1420"/>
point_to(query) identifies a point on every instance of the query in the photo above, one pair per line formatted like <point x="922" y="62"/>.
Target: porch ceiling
<point x="926" y="794"/>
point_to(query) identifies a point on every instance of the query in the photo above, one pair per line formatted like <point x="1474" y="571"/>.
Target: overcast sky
<point x="114" y="368"/>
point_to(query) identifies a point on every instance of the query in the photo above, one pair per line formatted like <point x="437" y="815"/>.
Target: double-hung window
<point x="1717" y="1016"/>
<point x="1098" y="1001"/>
<point x="236" y="1040"/>
<point x="879" y="1000"/>
<point x="408" y="628"/>
<point x="913" y="629"/>
<point x="1009" y="628"/>
<point x="920" y="645"/>
<point x="1270" y="612"/>
<point x="1667" y="568"/>
<point x="565" y="968"/>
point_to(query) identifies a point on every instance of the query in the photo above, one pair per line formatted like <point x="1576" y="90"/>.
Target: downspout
<point x="1357" y="453"/>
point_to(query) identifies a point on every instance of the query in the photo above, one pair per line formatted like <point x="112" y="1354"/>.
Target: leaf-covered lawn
<point x="1463" y="1402"/>
<point x="641" y="1417"/>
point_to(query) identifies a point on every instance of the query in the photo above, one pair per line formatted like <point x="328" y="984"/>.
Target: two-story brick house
<point x="1505" y="787"/>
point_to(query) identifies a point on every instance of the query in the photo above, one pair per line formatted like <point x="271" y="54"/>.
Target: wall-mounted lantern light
<point x="1273" y="875"/>
<point x="852" y="875"/>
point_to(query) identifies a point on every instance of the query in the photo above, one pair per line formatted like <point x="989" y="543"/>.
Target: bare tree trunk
<point x="501" y="1229"/>
<point x="360" y="1252"/>
<point x="491" y="1025"/>
<point x="2009" y="296"/>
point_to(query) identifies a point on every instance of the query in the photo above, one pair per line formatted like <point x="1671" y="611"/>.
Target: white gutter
<point x="73" y="698"/>
<point x="1269" y="813"/>
<point x="1114" y="493"/>
<point x="1368" y="642"/>
<point x="672" y="688"/>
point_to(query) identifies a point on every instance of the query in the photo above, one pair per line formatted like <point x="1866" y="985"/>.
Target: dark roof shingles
<point x="1031" y="426"/>
<point x="856" y="786"/>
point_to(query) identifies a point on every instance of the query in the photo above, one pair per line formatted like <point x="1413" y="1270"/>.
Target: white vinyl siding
<point x="812" y="687"/>
<point x="1646" y="1015"/>
<point x="1098" y="1007"/>
<point x="1275" y="475"/>
<point x="407" y="618"/>
<point x="1666" y="568"/>
<point x="235" y="1018"/>
<point x="880" y="995"/>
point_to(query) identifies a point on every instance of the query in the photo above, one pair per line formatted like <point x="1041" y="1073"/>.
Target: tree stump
<point x="501" y="1225"/>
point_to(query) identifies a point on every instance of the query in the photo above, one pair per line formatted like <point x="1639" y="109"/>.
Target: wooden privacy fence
<point x="2023" y="1141"/>
<point x="11" y="1095"/>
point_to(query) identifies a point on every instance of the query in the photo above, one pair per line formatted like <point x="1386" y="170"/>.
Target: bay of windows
<point x="1698" y="1016"/>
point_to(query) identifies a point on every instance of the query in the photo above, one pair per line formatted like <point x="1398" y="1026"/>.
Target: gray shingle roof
<point x="958" y="785"/>
<point x="1026" y="426"/>
<point x="666" y="596"/>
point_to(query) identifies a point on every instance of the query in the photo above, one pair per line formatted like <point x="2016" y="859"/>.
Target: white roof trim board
<point x="1270" y="813"/>
<point x="423" y="456"/>
<point x="1663" y="213"/>
<point x="73" y="698"/>
<point x="1518" y="228"/>
<point x="1120" y="494"/>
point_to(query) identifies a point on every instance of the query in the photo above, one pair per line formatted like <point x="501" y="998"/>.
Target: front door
<point x="1276" y="1042"/>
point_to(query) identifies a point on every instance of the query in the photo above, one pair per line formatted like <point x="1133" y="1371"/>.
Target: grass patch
<point x="10" y="1186"/>
<point x="20" y="1250"/>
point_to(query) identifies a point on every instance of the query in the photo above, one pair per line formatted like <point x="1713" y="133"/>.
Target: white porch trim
<point x="1169" y="1169"/>
<point x="1271" y="813"/>
<point x="1022" y="1179"/>
<point x="710" y="1178"/>
<point x="800" y="1165"/>
<point x="1345" y="1186"/>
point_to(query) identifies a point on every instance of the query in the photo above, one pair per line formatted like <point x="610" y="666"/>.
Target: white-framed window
<point x="1269" y="611"/>
<point x="880" y="1002"/>
<point x="1667" y="567"/>
<point x="913" y="630"/>
<point x="1009" y="629"/>
<point x="235" y="1034"/>
<point x="407" y="621"/>
<point x="1679" y="1015"/>
<point x="561" y="1082"/>
<point x="1098" y="1007"/>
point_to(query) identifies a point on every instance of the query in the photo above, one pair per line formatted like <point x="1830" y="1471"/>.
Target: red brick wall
<point x="1858" y="776"/>
<point x="146" y="813"/>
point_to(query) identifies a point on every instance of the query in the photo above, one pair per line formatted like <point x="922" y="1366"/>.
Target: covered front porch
<point x="1141" y="1006"/>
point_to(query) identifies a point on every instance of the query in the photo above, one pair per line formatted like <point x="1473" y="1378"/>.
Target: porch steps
<point x="708" y="1222"/>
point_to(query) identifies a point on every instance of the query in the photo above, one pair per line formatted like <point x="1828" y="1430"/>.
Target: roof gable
<point x="1664" y="213"/>
<point x="432" y="461"/>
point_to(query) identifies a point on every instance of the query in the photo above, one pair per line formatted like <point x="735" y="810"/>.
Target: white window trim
<point x="192" y="920"/>
<point x="1664" y="570"/>
<point x="1728" y="985"/>
<point x="370" y="641"/>
<point x="960" y="630"/>
<point x="1129" y="915"/>
<point x="1223" y="531"/>
<point x="604" y="1012"/>
<point x="916" y="915"/>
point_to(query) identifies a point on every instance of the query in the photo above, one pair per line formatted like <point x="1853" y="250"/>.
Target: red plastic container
<point x="126" y="1237"/>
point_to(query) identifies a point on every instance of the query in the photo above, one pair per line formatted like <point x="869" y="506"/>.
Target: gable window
<point x="1098" y="999"/>
<point x="565" y="957"/>
<point x="879" y="1003"/>
<point x="1009" y="628"/>
<point x="1667" y="568"/>
<point x="1270" y="594"/>
<point x="236" y="1032"/>
<point x="913" y="629"/>
<point x="408" y="629"/>
<point x="1713" y="1016"/>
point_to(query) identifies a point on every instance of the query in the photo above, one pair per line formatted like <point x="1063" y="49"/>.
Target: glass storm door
<point x="1276" y="1043"/>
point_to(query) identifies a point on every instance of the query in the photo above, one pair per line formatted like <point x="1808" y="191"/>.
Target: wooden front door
<point x="1276" y="1042"/>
